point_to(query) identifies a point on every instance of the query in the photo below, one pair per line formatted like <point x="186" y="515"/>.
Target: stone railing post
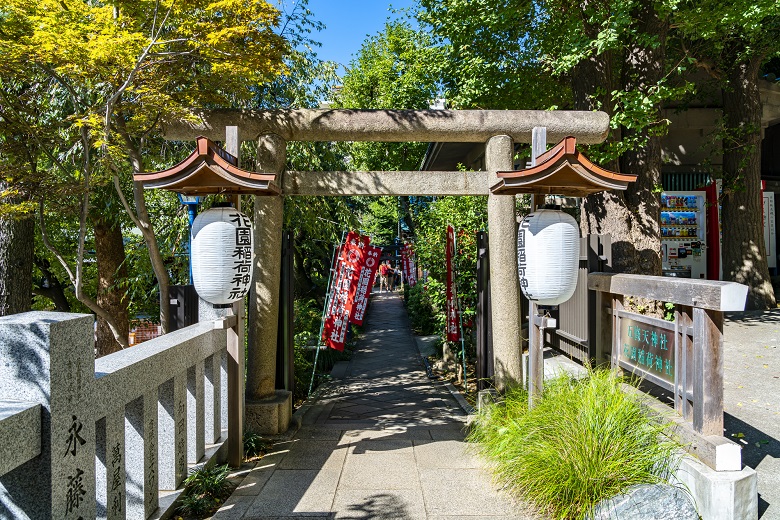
<point x="49" y="358"/>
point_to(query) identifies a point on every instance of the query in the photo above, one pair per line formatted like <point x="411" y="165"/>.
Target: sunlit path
<point x="384" y="442"/>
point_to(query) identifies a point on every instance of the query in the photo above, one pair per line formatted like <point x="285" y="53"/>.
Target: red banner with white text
<point x="344" y="286"/>
<point x="366" y="278"/>
<point x="412" y="266"/>
<point x="453" y="311"/>
<point x="408" y="265"/>
<point x="404" y="263"/>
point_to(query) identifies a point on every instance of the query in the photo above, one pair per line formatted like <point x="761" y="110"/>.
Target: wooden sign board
<point x="646" y="348"/>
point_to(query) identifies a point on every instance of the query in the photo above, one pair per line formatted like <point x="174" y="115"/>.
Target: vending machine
<point x="683" y="234"/>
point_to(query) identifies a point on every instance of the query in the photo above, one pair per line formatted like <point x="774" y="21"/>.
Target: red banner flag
<point x="412" y="266"/>
<point x="408" y="265"/>
<point x="368" y="271"/>
<point x="404" y="263"/>
<point x="344" y="287"/>
<point x="453" y="312"/>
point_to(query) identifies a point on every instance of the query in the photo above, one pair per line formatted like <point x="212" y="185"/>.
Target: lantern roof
<point x="208" y="170"/>
<point x="561" y="170"/>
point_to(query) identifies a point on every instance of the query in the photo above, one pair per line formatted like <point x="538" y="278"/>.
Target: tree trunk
<point x="406" y="214"/>
<point x="50" y="286"/>
<point x="111" y="296"/>
<point x="158" y="265"/>
<point x="744" y="251"/>
<point x="17" y="243"/>
<point x="304" y="285"/>
<point x="631" y="217"/>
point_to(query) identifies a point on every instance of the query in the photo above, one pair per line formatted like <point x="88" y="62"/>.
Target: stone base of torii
<point x="268" y="410"/>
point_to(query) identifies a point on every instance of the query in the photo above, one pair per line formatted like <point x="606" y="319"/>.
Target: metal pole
<point x="192" y="210"/>
<point x="324" y="310"/>
<point x="536" y="322"/>
<point x="462" y="345"/>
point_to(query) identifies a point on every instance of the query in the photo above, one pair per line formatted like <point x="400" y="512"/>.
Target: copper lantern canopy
<point x="561" y="170"/>
<point x="210" y="170"/>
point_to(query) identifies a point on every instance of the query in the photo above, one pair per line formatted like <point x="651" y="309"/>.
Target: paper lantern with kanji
<point x="222" y="255"/>
<point x="548" y="254"/>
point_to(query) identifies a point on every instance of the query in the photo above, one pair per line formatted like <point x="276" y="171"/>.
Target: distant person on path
<point x="384" y="273"/>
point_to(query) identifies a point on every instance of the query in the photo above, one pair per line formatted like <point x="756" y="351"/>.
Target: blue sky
<point x="348" y="22"/>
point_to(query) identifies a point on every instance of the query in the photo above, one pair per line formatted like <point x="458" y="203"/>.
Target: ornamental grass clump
<point x="585" y="441"/>
<point x="204" y="490"/>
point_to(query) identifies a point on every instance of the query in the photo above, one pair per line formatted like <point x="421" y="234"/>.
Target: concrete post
<point x="268" y="411"/>
<point x="504" y="287"/>
<point x="235" y="343"/>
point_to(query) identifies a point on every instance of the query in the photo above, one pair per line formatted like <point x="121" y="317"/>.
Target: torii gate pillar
<point x="268" y="410"/>
<point x="504" y="287"/>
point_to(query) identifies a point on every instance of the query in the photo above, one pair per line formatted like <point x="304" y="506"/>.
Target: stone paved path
<point x="384" y="442"/>
<point x="751" y="376"/>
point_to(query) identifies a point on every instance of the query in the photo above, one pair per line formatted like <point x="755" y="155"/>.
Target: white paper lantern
<point x="548" y="254"/>
<point x="222" y="255"/>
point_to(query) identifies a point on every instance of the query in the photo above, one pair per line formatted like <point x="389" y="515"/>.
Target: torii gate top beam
<point x="394" y="125"/>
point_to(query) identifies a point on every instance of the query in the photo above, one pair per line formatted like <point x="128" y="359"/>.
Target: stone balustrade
<point x="114" y="432"/>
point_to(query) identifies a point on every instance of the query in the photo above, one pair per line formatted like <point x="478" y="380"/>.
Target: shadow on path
<point x="383" y="442"/>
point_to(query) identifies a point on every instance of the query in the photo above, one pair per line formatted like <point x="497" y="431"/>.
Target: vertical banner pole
<point x="462" y="345"/>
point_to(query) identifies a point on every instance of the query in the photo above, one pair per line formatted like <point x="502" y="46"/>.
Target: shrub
<point x="254" y="445"/>
<point x="585" y="441"/>
<point x="420" y="309"/>
<point x="204" y="489"/>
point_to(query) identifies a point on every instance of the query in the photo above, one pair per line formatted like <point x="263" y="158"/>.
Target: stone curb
<point x="470" y="411"/>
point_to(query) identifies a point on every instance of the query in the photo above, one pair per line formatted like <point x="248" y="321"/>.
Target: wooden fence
<point x="685" y="356"/>
<point x="576" y="332"/>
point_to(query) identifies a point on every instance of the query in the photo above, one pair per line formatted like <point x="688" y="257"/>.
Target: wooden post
<point x="484" y="332"/>
<point x="235" y="346"/>
<point x="684" y="364"/>
<point x="538" y="144"/>
<point x="617" y="305"/>
<point x="285" y="351"/>
<point x="599" y="256"/>
<point x="708" y="371"/>
<point x="603" y="333"/>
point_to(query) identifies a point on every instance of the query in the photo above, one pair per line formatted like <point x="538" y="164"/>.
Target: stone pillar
<point x="504" y="287"/>
<point x="268" y="411"/>
<point x="48" y="358"/>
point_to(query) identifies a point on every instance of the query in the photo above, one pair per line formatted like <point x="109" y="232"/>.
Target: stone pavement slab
<point x="751" y="386"/>
<point x="382" y="442"/>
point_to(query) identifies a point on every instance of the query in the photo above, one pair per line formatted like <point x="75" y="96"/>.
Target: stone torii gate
<point x="268" y="411"/>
